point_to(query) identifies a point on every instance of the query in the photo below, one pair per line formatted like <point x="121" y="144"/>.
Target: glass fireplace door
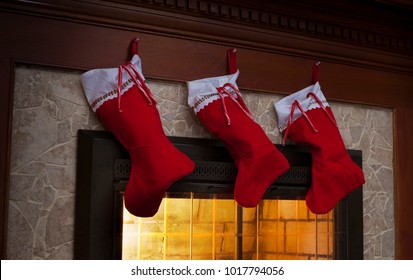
<point x="192" y="226"/>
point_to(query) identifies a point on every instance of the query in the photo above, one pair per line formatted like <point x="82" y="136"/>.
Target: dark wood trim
<point x="94" y="220"/>
<point x="90" y="34"/>
<point x="6" y="95"/>
<point x="403" y="180"/>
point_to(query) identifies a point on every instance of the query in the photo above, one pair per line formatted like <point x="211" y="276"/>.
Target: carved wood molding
<point x="269" y="17"/>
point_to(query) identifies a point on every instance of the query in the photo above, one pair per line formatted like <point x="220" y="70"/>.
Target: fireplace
<point x="199" y="218"/>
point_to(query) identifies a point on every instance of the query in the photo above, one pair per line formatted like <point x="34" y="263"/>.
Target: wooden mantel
<point x="366" y="50"/>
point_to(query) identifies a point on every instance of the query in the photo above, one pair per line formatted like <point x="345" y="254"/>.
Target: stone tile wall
<point x="49" y="108"/>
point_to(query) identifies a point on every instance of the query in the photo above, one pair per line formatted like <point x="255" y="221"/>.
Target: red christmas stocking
<point x="306" y="118"/>
<point x="220" y="108"/>
<point x="124" y="104"/>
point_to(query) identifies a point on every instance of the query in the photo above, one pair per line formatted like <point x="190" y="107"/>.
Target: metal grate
<point x="213" y="171"/>
<point x="121" y="169"/>
<point x="296" y="175"/>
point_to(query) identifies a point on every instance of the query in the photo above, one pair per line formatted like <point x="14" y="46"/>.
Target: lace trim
<point x="205" y="100"/>
<point x="101" y="84"/>
<point x="311" y="106"/>
<point x="96" y="103"/>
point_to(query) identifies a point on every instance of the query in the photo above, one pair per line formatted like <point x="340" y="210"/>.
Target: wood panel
<point x="375" y="66"/>
<point x="404" y="181"/>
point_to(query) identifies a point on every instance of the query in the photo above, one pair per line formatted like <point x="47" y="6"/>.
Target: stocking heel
<point x="160" y="163"/>
<point x="256" y="175"/>
<point x="335" y="180"/>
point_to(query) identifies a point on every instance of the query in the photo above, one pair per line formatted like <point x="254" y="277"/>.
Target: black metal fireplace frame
<point x="103" y="169"/>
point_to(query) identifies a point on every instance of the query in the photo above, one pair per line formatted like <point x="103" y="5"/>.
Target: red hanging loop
<point x="121" y="67"/>
<point x="140" y="83"/>
<point x="331" y="118"/>
<point x="290" y="119"/>
<point x="224" y="107"/>
<point x="238" y="101"/>
<point x="232" y="61"/>
<point x="134" y="47"/>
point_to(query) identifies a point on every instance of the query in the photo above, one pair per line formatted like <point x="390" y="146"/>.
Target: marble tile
<point x="20" y="235"/>
<point x="22" y="184"/>
<point x="36" y="128"/>
<point x="66" y="86"/>
<point x="63" y="252"/>
<point x="30" y="211"/>
<point x="65" y="109"/>
<point x="62" y="178"/>
<point x="60" y="222"/>
<point x="32" y="86"/>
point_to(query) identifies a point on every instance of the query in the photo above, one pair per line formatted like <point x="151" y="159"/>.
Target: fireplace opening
<point x="193" y="226"/>
<point x="199" y="219"/>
